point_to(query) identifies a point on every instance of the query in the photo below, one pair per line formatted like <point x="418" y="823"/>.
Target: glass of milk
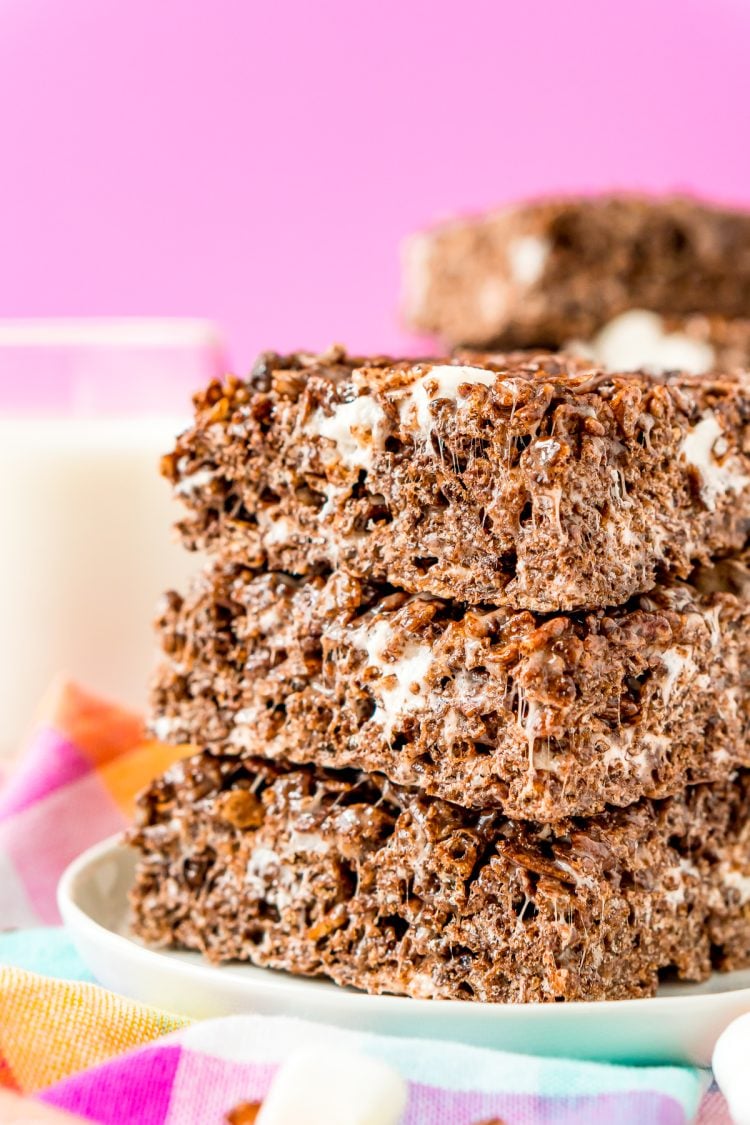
<point x="87" y="408"/>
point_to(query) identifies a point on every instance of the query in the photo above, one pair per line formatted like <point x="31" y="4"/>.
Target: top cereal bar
<point x="531" y="481"/>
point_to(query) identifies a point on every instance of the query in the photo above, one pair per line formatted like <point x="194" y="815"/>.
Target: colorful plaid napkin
<point x="72" y="1045"/>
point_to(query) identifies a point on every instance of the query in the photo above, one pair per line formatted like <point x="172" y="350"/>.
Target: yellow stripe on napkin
<point x="51" y="1029"/>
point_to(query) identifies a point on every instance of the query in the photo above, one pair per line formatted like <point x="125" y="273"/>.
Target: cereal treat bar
<point x="543" y="273"/>
<point x="535" y="482"/>
<point x="543" y="717"/>
<point x="389" y="890"/>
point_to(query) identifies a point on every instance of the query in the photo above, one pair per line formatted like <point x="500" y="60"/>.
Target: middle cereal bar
<point x="542" y="716"/>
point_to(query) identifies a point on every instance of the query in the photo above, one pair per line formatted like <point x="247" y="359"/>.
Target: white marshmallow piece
<point x="699" y="448"/>
<point x="444" y="381"/>
<point x="527" y="257"/>
<point x="321" y="1087"/>
<point x="355" y="427"/>
<point x="637" y="340"/>
<point x="731" y="1070"/>
<point x="409" y="670"/>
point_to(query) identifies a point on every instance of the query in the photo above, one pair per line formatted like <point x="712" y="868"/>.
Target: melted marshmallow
<point x="676" y="660"/>
<point x="261" y="863"/>
<point x="699" y="449"/>
<point x="279" y="530"/>
<point x="677" y="895"/>
<point x="245" y="715"/>
<point x="194" y="482"/>
<point x="443" y="382"/>
<point x="308" y="843"/>
<point x="737" y="882"/>
<point x="356" y="428"/>
<point x="636" y="340"/>
<point x="408" y="670"/>
<point x="269" y="877"/>
<point x="165" y="726"/>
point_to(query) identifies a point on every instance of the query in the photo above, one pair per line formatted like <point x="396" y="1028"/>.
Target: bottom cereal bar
<point x="386" y="889"/>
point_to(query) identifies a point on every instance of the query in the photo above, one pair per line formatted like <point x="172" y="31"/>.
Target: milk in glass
<point x="86" y="411"/>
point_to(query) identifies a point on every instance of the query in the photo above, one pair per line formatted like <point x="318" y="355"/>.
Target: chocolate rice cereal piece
<point x="542" y="273"/>
<point x="535" y="482"/>
<point x="542" y="716"/>
<point x="389" y="890"/>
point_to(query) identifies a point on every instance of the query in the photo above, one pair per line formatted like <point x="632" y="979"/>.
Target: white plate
<point x="680" y="1025"/>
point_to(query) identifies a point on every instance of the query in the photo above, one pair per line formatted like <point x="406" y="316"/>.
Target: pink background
<point x="258" y="162"/>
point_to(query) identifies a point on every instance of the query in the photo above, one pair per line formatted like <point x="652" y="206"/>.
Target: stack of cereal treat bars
<point x="467" y="675"/>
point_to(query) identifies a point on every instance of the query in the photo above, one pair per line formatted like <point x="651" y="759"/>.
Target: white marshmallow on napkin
<point x="321" y="1087"/>
<point x="731" y="1066"/>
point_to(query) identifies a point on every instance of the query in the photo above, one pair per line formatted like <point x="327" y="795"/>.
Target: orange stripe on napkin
<point x="99" y="728"/>
<point x="126" y="776"/>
